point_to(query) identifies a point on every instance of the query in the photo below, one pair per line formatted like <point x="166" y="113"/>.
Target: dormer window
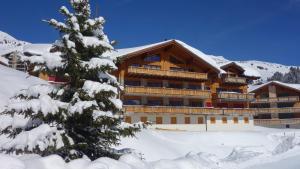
<point x="154" y="58"/>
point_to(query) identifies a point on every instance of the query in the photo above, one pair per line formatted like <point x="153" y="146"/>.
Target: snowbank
<point x="186" y="150"/>
<point x="12" y="81"/>
<point x="125" y="162"/>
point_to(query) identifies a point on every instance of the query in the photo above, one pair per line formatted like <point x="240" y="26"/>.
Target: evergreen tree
<point x="293" y="76"/>
<point x="276" y="77"/>
<point x="82" y="117"/>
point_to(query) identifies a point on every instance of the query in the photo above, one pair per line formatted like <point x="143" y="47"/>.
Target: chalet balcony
<point x="166" y="73"/>
<point x="206" y="110"/>
<point x="269" y="122"/>
<point x="231" y="96"/>
<point x="235" y="80"/>
<point x="276" y="110"/>
<point x="277" y="100"/>
<point x="158" y="91"/>
<point x="185" y="110"/>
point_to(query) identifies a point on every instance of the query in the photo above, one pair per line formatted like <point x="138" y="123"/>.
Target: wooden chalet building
<point x="278" y="104"/>
<point x="175" y="86"/>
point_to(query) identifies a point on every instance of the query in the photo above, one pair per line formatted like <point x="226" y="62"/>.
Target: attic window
<point x="154" y="58"/>
<point x="175" y="60"/>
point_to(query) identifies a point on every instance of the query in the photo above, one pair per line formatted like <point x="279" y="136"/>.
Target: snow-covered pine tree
<point x="82" y="117"/>
<point x="277" y="76"/>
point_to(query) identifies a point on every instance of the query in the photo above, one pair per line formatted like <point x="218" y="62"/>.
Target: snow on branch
<point x="92" y="88"/>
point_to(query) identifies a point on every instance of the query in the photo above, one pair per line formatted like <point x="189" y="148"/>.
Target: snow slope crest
<point x="7" y="40"/>
<point x="266" y="69"/>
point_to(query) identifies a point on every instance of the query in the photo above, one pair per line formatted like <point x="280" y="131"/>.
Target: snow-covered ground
<point x="259" y="149"/>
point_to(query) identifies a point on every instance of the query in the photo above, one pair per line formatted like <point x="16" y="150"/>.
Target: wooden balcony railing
<point x="227" y="96"/>
<point x="237" y="80"/>
<point x="185" y="110"/>
<point x="277" y="99"/>
<point x="167" y="73"/>
<point x="140" y="90"/>
<point x="268" y="122"/>
<point x="276" y="110"/>
<point x="205" y="110"/>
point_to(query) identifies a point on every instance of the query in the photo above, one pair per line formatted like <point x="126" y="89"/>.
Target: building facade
<point x="174" y="86"/>
<point x="282" y="102"/>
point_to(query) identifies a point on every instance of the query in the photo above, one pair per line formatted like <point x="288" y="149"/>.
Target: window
<point x="224" y="120"/>
<point x="128" y="119"/>
<point x="155" y="67"/>
<point x="154" y="58"/>
<point x="187" y="120"/>
<point x="176" y="103"/>
<point x="200" y="120"/>
<point x="212" y="120"/>
<point x="175" y="60"/>
<point x="173" y="120"/>
<point x="235" y="120"/>
<point x="206" y="88"/>
<point x="132" y="83"/>
<point x="154" y="84"/>
<point x="196" y="104"/>
<point x="246" y="120"/>
<point x="154" y="102"/>
<point x="159" y="120"/>
<point x="176" y="69"/>
<point x="195" y="87"/>
<point x="144" y="119"/>
<point x="135" y="65"/>
<point x="175" y="85"/>
<point x="281" y="105"/>
<point x="132" y="102"/>
<point x="229" y="90"/>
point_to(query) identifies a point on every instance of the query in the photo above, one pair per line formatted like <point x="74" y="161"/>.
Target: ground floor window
<point x="200" y="120"/>
<point x="187" y="120"/>
<point x="159" y="120"/>
<point x="224" y="120"/>
<point x="246" y="120"/>
<point x="235" y="120"/>
<point x="128" y="119"/>
<point x="173" y="120"/>
<point x="144" y="119"/>
<point x="212" y="120"/>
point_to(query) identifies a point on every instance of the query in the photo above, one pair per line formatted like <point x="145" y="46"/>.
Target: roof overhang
<point x="148" y="48"/>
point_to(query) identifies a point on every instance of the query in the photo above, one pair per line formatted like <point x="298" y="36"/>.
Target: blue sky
<point x="267" y="30"/>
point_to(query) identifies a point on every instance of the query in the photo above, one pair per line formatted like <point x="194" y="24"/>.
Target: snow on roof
<point x="3" y="60"/>
<point x="247" y="70"/>
<point x="8" y="50"/>
<point x="253" y="88"/>
<point x="199" y="54"/>
<point x="37" y="49"/>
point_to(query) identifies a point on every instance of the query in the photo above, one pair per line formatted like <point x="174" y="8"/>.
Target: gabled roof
<point x="247" y="71"/>
<point x="200" y="55"/>
<point x="233" y="64"/>
<point x="286" y="85"/>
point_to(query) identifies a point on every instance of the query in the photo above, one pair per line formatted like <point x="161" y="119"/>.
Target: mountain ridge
<point x="266" y="69"/>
